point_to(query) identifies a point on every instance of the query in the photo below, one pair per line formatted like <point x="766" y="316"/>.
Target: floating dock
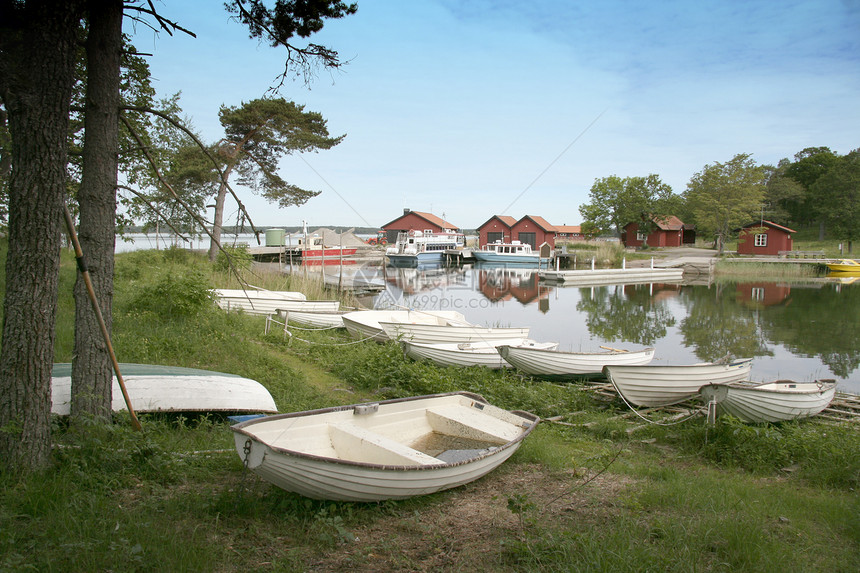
<point x="612" y="276"/>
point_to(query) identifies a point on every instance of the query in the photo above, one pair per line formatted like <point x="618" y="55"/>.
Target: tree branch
<point x="203" y="148"/>
<point x="157" y="212"/>
<point x="167" y="185"/>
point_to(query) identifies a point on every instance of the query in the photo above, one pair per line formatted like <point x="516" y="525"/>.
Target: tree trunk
<point x="821" y="230"/>
<point x="37" y="47"/>
<point x="92" y="370"/>
<point x="218" y="216"/>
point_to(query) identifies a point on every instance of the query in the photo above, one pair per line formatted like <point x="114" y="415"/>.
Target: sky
<point x="480" y="108"/>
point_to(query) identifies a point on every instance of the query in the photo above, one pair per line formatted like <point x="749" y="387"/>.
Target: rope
<point x="312" y="329"/>
<point x="655" y="422"/>
<point x="334" y="343"/>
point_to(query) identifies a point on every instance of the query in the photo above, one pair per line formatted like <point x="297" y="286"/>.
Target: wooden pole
<point x="82" y="266"/>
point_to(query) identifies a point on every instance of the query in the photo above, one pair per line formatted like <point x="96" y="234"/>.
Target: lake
<point x="795" y="330"/>
<point x="799" y="331"/>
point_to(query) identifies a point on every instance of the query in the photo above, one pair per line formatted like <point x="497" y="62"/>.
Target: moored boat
<point x="468" y="353"/>
<point x="320" y="319"/>
<point x="423" y="247"/>
<point x="559" y="364"/>
<point x="514" y="252"/>
<point x="157" y="388"/>
<point x="393" y="449"/>
<point x="844" y="266"/>
<point x="775" y="401"/>
<point x="272" y="306"/>
<point x="365" y="324"/>
<point x="450" y="332"/>
<point x="258" y="294"/>
<point x="658" y="385"/>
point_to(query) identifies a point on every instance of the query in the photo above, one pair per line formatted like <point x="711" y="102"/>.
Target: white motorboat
<point x="423" y="247"/>
<point x="393" y="449"/>
<point x="514" y="252"/>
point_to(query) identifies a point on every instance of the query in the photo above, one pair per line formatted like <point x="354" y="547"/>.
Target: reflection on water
<point x="800" y="331"/>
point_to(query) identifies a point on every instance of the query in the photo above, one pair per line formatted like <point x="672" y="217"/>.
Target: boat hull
<point x="467" y="354"/>
<point x="847" y="266"/>
<point x="491" y="257"/>
<point x="154" y="388"/>
<point x="773" y="401"/>
<point x="655" y="386"/>
<point x="382" y="451"/>
<point x="322" y="319"/>
<point x="273" y="306"/>
<point x="258" y="294"/>
<point x="365" y="324"/>
<point x="558" y="364"/>
<point x="442" y="333"/>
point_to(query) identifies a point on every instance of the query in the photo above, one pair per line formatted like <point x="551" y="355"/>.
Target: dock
<point x="612" y="276"/>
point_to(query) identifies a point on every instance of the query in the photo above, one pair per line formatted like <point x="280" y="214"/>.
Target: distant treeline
<point x="240" y="230"/>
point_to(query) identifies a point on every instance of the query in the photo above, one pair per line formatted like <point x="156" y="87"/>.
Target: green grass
<point x="588" y="496"/>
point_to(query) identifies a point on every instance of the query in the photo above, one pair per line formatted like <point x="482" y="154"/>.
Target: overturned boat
<point x="157" y="388"/>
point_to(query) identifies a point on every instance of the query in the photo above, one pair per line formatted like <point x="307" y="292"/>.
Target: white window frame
<point x="761" y="240"/>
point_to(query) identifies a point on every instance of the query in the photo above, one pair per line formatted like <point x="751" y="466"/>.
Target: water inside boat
<point x="452" y="449"/>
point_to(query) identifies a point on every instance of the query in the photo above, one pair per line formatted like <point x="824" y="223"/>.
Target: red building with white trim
<point x="417" y="221"/>
<point x="533" y="230"/>
<point x="764" y="238"/>
<point x="669" y="232"/>
<point x="497" y="228"/>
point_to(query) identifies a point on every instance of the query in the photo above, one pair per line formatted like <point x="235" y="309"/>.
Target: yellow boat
<point x="844" y="266"/>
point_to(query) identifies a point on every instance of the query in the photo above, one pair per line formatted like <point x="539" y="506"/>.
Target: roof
<point x="764" y="223"/>
<point x="670" y="223"/>
<point x="430" y="217"/>
<point x="568" y="229"/>
<point x="506" y="219"/>
<point x="540" y="222"/>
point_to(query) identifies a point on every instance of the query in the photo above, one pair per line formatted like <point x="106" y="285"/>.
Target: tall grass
<point x="764" y="271"/>
<point x="175" y="497"/>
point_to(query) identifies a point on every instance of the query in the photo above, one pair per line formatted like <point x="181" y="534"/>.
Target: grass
<point x="583" y="497"/>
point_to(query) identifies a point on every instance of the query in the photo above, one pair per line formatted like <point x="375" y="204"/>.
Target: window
<point x="761" y="240"/>
<point x="641" y="236"/>
<point x="757" y="294"/>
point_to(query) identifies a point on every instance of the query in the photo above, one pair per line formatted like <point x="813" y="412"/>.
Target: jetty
<point x="612" y="276"/>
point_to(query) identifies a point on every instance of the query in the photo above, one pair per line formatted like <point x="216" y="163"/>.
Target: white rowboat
<point x="393" y="449"/>
<point x="272" y="306"/>
<point x="468" y="353"/>
<point x="364" y="324"/>
<point x="258" y="294"/>
<point x="452" y="332"/>
<point x="771" y="401"/>
<point x="321" y="319"/>
<point x="654" y="386"/>
<point x="558" y="364"/>
<point x="155" y="388"/>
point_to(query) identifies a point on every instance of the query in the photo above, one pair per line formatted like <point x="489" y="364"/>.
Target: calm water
<point x="799" y="331"/>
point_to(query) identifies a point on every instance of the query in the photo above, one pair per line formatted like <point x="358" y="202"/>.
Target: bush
<point x="237" y="256"/>
<point x="174" y="293"/>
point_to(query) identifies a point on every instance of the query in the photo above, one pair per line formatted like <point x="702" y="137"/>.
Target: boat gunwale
<point x="532" y="418"/>
<point x="596" y="353"/>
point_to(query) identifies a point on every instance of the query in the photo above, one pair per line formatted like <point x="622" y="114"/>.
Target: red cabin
<point x="417" y="221"/>
<point x="533" y="230"/>
<point x="669" y="232"/>
<point x="496" y="229"/>
<point x="764" y="238"/>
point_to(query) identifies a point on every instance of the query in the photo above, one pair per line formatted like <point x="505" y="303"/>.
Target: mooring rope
<point x="655" y="422"/>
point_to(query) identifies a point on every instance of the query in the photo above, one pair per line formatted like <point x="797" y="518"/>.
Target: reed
<point x="738" y="268"/>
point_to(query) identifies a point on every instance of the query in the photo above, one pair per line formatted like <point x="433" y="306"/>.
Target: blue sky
<point x="470" y="109"/>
